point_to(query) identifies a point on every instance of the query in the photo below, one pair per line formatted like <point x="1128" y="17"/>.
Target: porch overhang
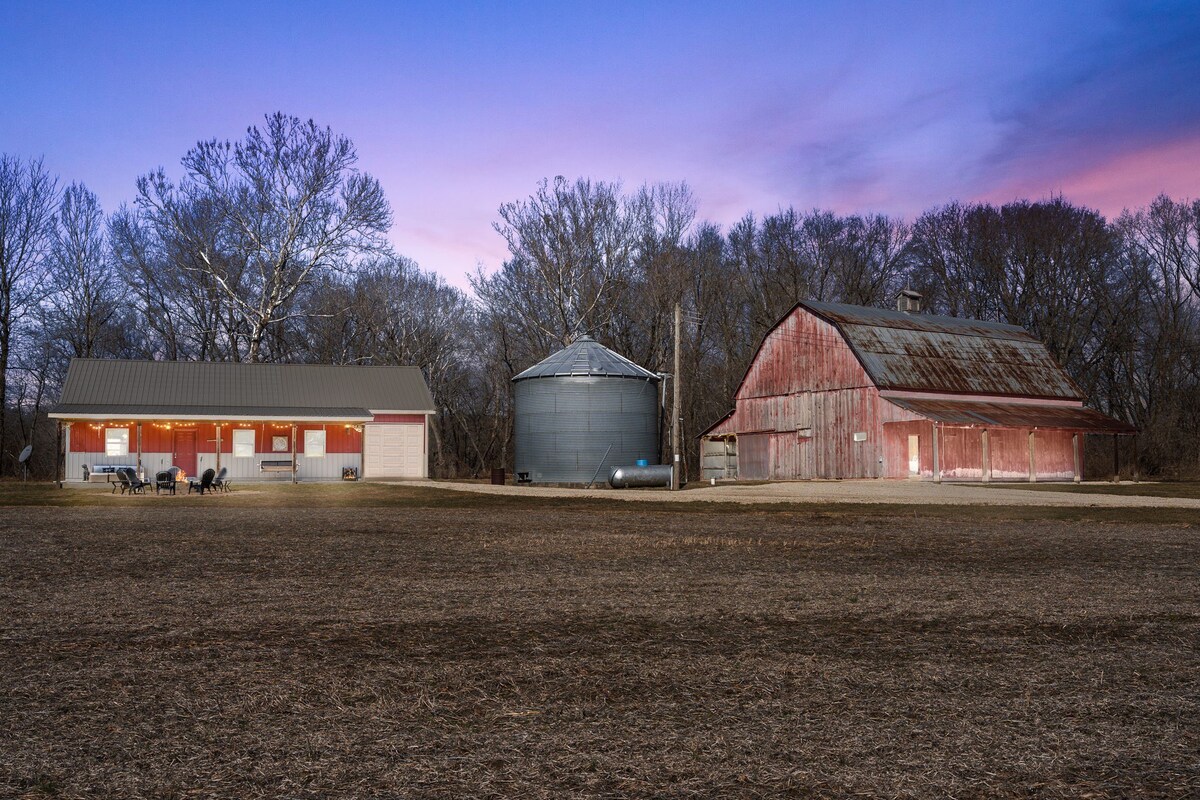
<point x="79" y="411"/>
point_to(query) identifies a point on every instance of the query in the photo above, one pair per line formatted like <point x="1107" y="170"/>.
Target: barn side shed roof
<point x="197" y="389"/>
<point x="1014" y="415"/>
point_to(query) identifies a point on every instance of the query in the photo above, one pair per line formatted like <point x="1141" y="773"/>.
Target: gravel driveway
<point x="860" y="491"/>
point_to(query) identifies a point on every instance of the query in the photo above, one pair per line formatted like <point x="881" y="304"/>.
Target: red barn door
<point x="184" y="448"/>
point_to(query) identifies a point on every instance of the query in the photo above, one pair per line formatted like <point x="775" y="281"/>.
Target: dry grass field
<point x="392" y="641"/>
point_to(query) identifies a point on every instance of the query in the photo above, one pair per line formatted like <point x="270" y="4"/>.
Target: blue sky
<point x="459" y="108"/>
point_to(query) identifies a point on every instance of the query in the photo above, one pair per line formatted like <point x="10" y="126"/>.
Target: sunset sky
<point x="857" y="107"/>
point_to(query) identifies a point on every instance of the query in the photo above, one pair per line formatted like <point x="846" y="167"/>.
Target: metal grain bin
<point x="581" y="412"/>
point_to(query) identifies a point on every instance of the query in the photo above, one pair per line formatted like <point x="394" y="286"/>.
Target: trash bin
<point x="498" y="477"/>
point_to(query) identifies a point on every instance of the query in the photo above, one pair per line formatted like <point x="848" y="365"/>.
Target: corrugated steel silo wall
<point x="565" y="424"/>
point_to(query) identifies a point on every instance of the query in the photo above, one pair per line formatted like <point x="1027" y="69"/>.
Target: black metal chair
<point x="130" y="482"/>
<point x="164" y="480"/>
<point x="205" y="483"/>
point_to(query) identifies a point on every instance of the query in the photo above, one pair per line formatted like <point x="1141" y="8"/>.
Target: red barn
<point x="297" y="421"/>
<point x="841" y="391"/>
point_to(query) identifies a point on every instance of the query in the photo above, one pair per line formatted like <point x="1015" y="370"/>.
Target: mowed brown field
<point x="441" y="646"/>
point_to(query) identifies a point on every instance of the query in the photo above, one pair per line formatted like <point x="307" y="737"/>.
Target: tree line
<point x="274" y="248"/>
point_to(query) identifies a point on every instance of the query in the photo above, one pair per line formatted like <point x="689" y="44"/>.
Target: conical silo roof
<point x="585" y="356"/>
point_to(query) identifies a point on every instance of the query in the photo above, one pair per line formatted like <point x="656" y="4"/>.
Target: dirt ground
<point x="162" y="649"/>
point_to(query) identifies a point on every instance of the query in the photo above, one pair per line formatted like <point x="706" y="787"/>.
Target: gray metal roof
<point x="225" y="389"/>
<point x="924" y="352"/>
<point x="585" y="356"/>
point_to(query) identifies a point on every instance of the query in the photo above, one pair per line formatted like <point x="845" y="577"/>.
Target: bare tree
<point x="290" y="206"/>
<point x="84" y="291"/>
<point x="28" y="196"/>
<point x="572" y="247"/>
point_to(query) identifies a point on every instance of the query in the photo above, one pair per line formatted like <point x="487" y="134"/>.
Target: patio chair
<point x="221" y="482"/>
<point x="121" y="482"/>
<point x="205" y="483"/>
<point x="130" y="482"/>
<point x="164" y="480"/>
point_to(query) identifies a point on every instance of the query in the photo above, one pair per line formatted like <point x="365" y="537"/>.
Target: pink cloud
<point x="1126" y="180"/>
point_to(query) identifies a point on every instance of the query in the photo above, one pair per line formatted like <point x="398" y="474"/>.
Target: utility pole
<point x="677" y="463"/>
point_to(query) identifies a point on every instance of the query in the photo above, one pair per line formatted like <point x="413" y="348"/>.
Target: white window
<point x="116" y="441"/>
<point x="314" y="443"/>
<point x="243" y="443"/>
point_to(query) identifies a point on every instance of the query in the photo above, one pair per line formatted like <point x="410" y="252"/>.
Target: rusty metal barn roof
<point x="924" y="352"/>
<point x="583" y="357"/>
<point x="210" y="389"/>
<point x="1014" y="415"/>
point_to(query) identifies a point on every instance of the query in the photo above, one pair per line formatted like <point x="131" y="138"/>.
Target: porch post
<point x="1137" y="473"/>
<point x="987" y="458"/>
<point x="1032" y="464"/>
<point x="937" y="461"/>
<point x="139" y="451"/>
<point x="60" y="457"/>
<point x="218" y="447"/>
<point x="1078" y="459"/>
<point x="293" y="453"/>
<point x="1116" y="461"/>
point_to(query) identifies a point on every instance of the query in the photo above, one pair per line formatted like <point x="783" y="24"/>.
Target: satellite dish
<point x="24" y="457"/>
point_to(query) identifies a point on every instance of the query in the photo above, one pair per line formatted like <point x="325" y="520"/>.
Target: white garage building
<point x="256" y="421"/>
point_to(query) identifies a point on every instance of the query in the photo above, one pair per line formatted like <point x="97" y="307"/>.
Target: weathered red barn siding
<point x="896" y="447"/>
<point x="802" y="401"/>
<point x="806" y="395"/>
<point x="1054" y="456"/>
<point x="961" y="452"/>
<point x="754" y="456"/>
<point x="802" y="339"/>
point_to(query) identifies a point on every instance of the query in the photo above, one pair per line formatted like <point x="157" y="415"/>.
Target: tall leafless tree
<point x="290" y="206"/>
<point x="28" y="196"/>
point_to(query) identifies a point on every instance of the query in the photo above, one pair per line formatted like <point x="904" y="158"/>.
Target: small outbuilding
<point x="582" y="411"/>
<point x="298" y="421"/>
<point x="842" y="391"/>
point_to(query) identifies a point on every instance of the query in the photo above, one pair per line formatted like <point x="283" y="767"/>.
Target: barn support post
<point x="218" y="447"/>
<point x="987" y="458"/>
<point x="1116" y="461"/>
<point x="141" y="474"/>
<point x="1032" y="460"/>
<point x="937" y="460"/>
<point x="1077" y="457"/>
<point x="293" y="453"/>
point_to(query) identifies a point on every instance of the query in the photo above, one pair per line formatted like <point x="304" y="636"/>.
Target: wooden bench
<point x="284" y="465"/>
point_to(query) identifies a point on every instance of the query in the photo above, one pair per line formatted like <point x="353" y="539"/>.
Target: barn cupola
<point x="909" y="301"/>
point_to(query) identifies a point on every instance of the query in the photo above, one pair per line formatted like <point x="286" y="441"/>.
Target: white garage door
<point x="394" y="451"/>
